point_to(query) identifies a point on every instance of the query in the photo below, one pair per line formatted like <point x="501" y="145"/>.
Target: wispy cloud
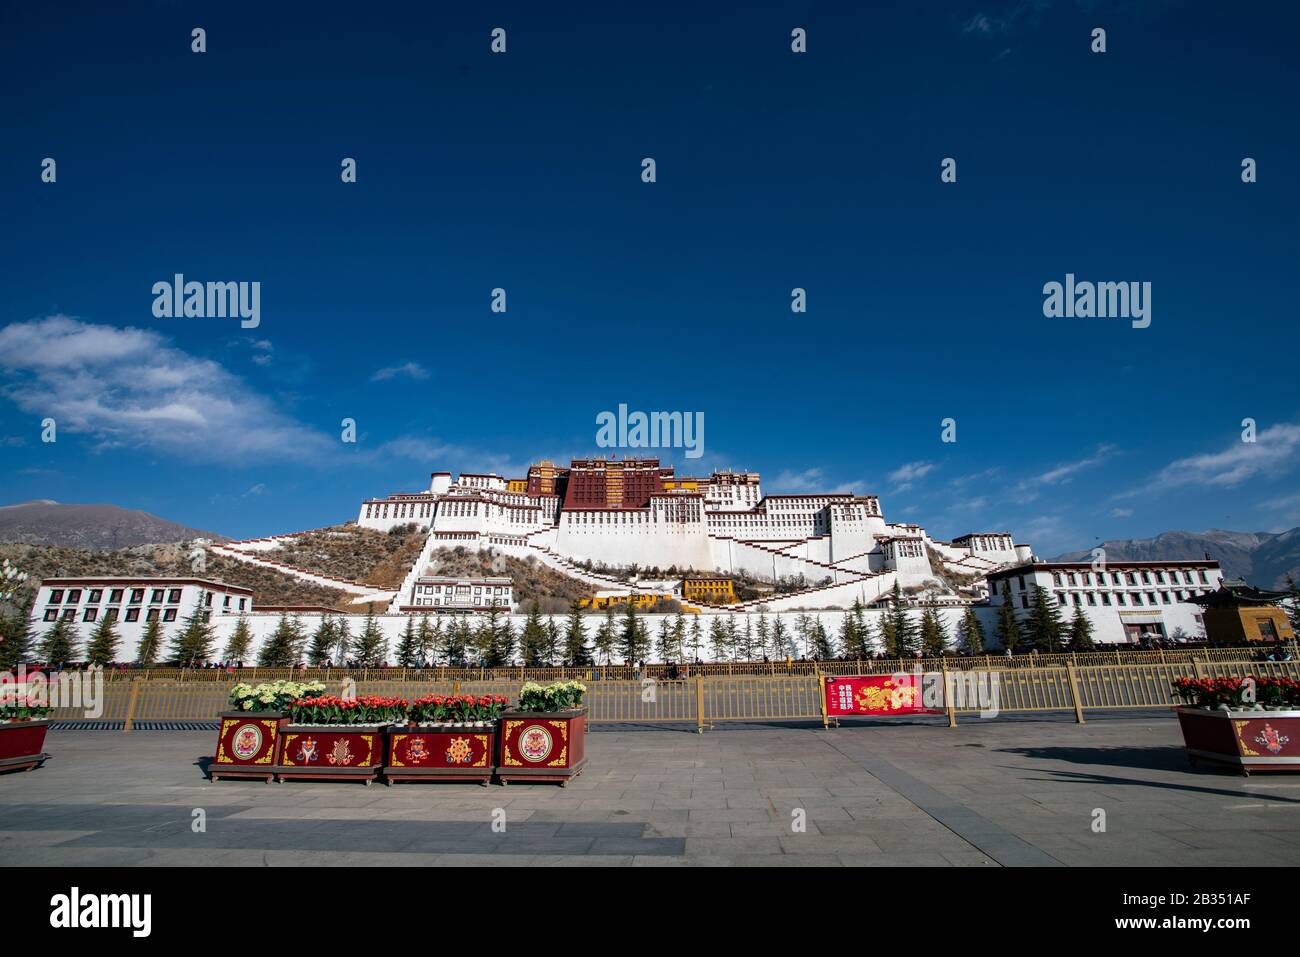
<point x="131" y="388"/>
<point x="407" y="370"/>
<point x="903" y="477"/>
<point x="1027" y="490"/>
<point x="1275" y="451"/>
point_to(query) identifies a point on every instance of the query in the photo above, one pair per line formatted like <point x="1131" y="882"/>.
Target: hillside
<point x="269" y="587"/>
<point x="1262" y="558"/>
<point x="45" y="522"/>
<point x="355" y="554"/>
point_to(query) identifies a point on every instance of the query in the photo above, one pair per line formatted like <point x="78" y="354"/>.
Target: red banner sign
<point x="874" y="695"/>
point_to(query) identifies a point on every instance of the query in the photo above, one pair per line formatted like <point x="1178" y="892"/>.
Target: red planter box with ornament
<point x="542" y="746"/>
<point x="1247" y="740"/>
<point x="331" y="753"/>
<point x="21" y="743"/>
<point x="441" y="752"/>
<point x="248" y="744"/>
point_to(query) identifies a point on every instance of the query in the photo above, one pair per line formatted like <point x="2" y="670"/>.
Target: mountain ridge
<point x="1261" y="558"/>
<point x="96" y="526"/>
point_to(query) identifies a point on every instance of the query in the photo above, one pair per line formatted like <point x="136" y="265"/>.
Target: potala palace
<point x="597" y="515"/>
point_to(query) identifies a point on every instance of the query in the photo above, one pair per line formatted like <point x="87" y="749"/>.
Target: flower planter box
<point x="21" y="743"/>
<point x="248" y="744"/>
<point x="331" y="753"/>
<point x="1246" y="740"/>
<point x="542" y="746"/>
<point x="441" y="752"/>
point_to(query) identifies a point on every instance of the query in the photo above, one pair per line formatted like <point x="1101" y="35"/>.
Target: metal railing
<point x="705" y="701"/>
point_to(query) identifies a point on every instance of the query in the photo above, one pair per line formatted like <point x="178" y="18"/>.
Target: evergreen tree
<point x="664" y="641"/>
<point x="763" y="634"/>
<point x="633" y="641"/>
<point x="408" y="649"/>
<point x="718" y="639"/>
<point x="747" y="641"/>
<point x="277" y="650"/>
<point x="501" y="645"/>
<point x="57" y="644"/>
<point x="679" y="636"/>
<point x="323" y="641"/>
<point x="370" y="648"/>
<point x="1045" y="625"/>
<point x="576" y="653"/>
<point x="426" y="640"/>
<point x="780" y="638"/>
<point x="901" y="627"/>
<point x="697" y="638"/>
<point x="455" y="642"/>
<point x="1080" y="631"/>
<point x="934" y="637"/>
<point x="607" y="636"/>
<point x="343" y="637"/>
<point x="532" y="643"/>
<point x="733" y="639"/>
<point x="151" y="640"/>
<point x="823" y="650"/>
<point x="972" y="632"/>
<point x="551" y="650"/>
<point x="853" y="638"/>
<point x="103" y="642"/>
<point x="193" y="643"/>
<point x="15" y="640"/>
<point x="1008" y="629"/>
<point x="240" y="639"/>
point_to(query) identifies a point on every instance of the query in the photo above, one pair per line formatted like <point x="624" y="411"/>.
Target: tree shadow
<point x="1164" y="758"/>
<point x="1083" y="777"/>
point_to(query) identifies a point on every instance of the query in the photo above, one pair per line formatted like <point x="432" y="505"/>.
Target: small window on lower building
<point x="133" y="614"/>
<point x="90" y="614"/>
<point x="169" y="614"/>
<point x="153" y="615"/>
<point x="51" y="614"/>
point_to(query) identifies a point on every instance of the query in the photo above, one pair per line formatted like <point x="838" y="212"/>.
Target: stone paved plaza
<point x="1015" y="791"/>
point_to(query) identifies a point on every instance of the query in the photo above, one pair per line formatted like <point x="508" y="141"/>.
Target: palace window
<point x="137" y="596"/>
<point x="133" y="614"/>
<point x="115" y="595"/>
<point x="96" y="595"/>
<point x="169" y="614"/>
<point x="56" y="596"/>
<point x="156" y="597"/>
<point x="51" y="614"/>
<point x="173" y="596"/>
<point x="74" y="596"/>
<point x="90" y="614"/>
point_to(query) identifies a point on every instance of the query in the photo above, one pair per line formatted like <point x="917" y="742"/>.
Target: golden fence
<point x="706" y="701"/>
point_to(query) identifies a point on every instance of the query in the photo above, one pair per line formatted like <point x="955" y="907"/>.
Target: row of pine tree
<point x="492" y="641"/>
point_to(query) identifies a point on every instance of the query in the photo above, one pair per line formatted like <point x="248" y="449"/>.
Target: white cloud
<point x="1027" y="490"/>
<point x="411" y="370"/>
<point x="1121" y="512"/>
<point x="130" y="388"/>
<point x="1276" y="450"/>
<point x="904" y="475"/>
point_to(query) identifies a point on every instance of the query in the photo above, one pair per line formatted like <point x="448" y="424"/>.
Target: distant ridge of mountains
<point x="99" y="527"/>
<point x="1261" y="558"/>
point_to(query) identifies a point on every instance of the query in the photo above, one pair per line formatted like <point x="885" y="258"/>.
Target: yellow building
<point x="517" y="485"/>
<point x="710" y="589"/>
<point x="1238" y="613"/>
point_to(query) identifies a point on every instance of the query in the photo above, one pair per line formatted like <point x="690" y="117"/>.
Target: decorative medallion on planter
<point x="542" y="747"/>
<point x="445" y="753"/>
<point x="247" y="745"/>
<point x="21" y="743"/>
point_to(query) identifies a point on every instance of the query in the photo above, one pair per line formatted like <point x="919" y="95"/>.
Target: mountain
<point x="1262" y="558"/>
<point x="45" y="522"/>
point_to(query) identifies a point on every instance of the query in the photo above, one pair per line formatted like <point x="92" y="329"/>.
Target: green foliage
<point x="192" y="645"/>
<point x="370" y="648"/>
<point x="1008" y="627"/>
<point x="146" y="655"/>
<point x="240" y="640"/>
<point x="104" y="640"/>
<point x="972" y="633"/>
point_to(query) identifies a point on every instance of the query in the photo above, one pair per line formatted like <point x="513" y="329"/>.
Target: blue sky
<point x="775" y="170"/>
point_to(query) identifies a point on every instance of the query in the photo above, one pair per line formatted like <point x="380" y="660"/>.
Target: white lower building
<point x="1127" y="602"/>
<point x="131" y="603"/>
